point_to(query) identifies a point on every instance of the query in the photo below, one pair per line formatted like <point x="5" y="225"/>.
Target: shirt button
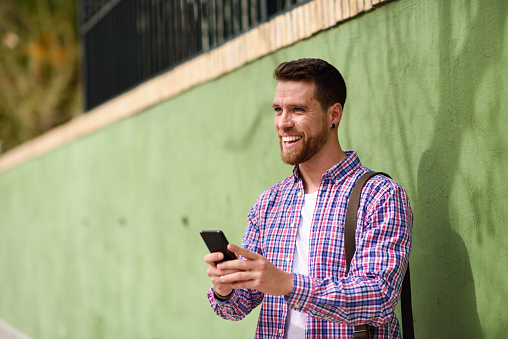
<point x="280" y="331"/>
<point x="292" y="225"/>
<point x="297" y="306"/>
<point x="299" y="194"/>
<point x="288" y="259"/>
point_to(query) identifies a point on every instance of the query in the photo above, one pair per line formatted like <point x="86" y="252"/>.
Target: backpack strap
<point x="350" y="248"/>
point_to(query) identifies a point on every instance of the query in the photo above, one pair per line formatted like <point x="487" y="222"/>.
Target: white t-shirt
<point x="295" y="322"/>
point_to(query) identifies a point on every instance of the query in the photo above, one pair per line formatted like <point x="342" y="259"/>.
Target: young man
<point x="292" y="254"/>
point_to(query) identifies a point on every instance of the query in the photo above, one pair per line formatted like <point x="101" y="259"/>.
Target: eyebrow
<point x="291" y="105"/>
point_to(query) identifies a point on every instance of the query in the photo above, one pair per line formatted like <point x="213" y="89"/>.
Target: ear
<point x="335" y="114"/>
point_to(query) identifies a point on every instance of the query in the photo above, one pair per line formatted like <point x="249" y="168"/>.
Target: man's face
<point x="299" y="120"/>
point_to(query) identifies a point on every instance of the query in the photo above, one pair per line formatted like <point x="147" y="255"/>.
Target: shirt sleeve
<point x="370" y="292"/>
<point x="242" y="301"/>
<point x="238" y="306"/>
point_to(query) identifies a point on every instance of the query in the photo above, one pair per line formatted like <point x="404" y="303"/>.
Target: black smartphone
<point x="216" y="242"/>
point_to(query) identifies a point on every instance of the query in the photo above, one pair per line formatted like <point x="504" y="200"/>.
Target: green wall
<point x="99" y="238"/>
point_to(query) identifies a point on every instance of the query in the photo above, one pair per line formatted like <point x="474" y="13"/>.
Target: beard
<point x="310" y="147"/>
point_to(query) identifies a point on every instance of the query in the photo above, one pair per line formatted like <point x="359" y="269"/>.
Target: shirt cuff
<point x="233" y="297"/>
<point x="302" y="293"/>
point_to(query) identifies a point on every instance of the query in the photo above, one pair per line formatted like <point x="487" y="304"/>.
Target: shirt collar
<point x="339" y="171"/>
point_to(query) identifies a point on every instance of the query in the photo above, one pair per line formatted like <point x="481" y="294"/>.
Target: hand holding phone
<point x="216" y="241"/>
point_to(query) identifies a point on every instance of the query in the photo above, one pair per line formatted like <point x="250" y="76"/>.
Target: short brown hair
<point x="330" y="85"/>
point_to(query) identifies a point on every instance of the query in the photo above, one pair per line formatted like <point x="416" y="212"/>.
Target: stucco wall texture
<point x="100" y="238"/>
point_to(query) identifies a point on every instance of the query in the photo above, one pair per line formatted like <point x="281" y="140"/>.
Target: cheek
<point x="276" y="123"/>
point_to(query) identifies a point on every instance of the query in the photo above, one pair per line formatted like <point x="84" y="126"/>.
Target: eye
<point x="277" y="110"/>
<point x="298" y="109"/>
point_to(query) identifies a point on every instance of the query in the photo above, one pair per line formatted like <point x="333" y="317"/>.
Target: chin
<point x="288" y="161"/>
<point x="294" y="159"/>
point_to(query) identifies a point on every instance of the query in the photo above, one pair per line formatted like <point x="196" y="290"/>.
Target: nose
<point x="283" y="121"/>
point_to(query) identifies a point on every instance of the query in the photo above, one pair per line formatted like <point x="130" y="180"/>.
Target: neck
<point x="313" y="169"/>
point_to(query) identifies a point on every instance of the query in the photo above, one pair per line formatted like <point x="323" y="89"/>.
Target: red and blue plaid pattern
<point x="334" y="302"/>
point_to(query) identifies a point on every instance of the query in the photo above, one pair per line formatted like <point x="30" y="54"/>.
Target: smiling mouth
<point x="290" y="140"/>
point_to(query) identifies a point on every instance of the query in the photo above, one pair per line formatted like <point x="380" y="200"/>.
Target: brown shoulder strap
<point x="350" y="248"/>
<point x="351" y="213"/>
<point x="406" y="309"/>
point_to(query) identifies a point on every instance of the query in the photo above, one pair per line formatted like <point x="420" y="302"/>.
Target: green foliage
<point x="39" y="68"/>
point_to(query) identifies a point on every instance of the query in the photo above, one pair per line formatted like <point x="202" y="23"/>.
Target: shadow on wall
<point x="445" y="295"/>
<point x="464" y="45"/>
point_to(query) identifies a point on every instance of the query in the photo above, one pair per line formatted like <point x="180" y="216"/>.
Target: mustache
<point x="288" y="131"/>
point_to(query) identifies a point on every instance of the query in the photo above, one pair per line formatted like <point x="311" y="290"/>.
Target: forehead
<point x="294" y="92"/>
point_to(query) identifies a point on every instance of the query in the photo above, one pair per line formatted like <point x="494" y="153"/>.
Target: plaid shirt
<point x="333" y="301"/>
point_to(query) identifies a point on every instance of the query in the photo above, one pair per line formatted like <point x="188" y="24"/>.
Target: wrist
<point x="221" y="297"/>
<point x="289" y="285"/>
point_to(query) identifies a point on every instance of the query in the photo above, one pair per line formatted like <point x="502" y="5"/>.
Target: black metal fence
<point x="128" y="41"/>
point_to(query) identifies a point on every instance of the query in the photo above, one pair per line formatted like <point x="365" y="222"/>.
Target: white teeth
<point x="291" y="138"/>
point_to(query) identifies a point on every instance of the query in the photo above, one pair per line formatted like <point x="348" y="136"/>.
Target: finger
<point x="243" y="252"/>
<point x="220" y="287"/>
<point x="236" y="277"/>
<point x="220" y="272"/>
<point x="235" y="265"/>
<point x="212" y="258"/>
